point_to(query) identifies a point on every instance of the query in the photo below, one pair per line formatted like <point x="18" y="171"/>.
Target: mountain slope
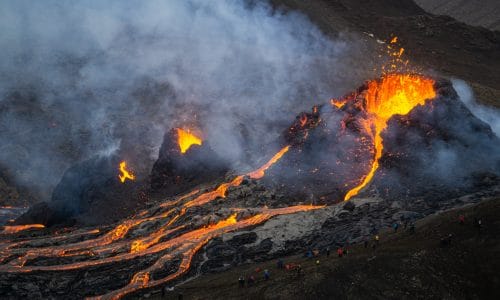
<point x="440" y="43"/>
<point x="404" y="266"/>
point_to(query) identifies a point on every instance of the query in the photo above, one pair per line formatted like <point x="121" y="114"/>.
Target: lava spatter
<point x="186" y="139"/>
<point x="124" y="173"/>
<point x="394" y="94"/>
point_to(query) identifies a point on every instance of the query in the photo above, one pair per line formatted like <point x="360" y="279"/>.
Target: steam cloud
<point x="85" y="78"/>
<point x="486" y="114"/>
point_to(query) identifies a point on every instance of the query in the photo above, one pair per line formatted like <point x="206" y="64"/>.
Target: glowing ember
<point x="303" y="120"/>
<point x="337" y="103"/>
<point x="124" y="173"/>
<point x="186" y="139"/>
<point x="395" y="94"/>
<point x="17" y="228"/>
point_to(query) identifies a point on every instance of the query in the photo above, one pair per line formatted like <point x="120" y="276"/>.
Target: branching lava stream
<point x="166" y="234"/>
<point x="119" y="245"/>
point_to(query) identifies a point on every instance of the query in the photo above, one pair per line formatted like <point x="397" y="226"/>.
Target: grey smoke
<point x="85" y="78"/>
<point x="487" y="114"/>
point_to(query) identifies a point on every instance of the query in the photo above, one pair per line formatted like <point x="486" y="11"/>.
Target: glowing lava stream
<point x="188" y="244"/>
<point x="395" y="94"/>
<point x="121" y="230"/>
<point x="260" y="172"/>
<point x="108" y="248"/>
<point x="16" y="228"/>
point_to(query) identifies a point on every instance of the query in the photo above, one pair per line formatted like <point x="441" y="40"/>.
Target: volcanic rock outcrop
<point x="89" y="192"/>
<point x="175" y="172"/>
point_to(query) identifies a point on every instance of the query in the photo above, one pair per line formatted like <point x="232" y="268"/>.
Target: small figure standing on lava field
<point x="250" y="280"/>
<point x="266" y="274"/>
<point x="461" y="219"/>
<point x="412" y="228"/>
<point x="327" y="251"/>
<point x="309" y="253"/>
<point x="241" y="281"/>
<point x="395" y="226"/>
<point x="299" y="270"/>
<point x="340" y="251"/>
<point x="280" y="264"/>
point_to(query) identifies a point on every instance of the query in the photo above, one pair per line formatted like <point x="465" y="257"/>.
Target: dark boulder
<point x="43" y="213"/>
<point x="349" y="206"/>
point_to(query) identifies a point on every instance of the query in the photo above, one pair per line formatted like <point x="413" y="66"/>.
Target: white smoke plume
<point x="487" y="114"/>
<point x="78" y="78"/>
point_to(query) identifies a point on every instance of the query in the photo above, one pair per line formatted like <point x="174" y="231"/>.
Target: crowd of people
<point x="342" y="251"/>
<point x="259" y="274"/>
<point x="314" y="254"/>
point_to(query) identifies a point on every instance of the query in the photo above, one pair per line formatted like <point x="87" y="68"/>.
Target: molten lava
<point x="17" y="228"/>
<point x="395" y="94"/>
<point x="337" y="103"/>
<point x="259" y="173"/>
<point x="124" y="173"/>
<point x="186" y="139"/>
<point x="117" y="245"/>
<point x="303" y="120"/>
<point x="155" y="233"/>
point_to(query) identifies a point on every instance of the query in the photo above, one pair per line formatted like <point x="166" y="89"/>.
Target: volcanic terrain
<point x="401" y="148"/>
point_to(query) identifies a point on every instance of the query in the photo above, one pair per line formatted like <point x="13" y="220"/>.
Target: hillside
<point x="439" y="43"/>
<point x="416" y="266"/>
<point x="473" y="12"/>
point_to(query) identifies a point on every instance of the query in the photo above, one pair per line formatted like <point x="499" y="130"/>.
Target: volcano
<point x="184" y="161"/>
<point x="389" y="133"/>
<point x="414" y="141"/>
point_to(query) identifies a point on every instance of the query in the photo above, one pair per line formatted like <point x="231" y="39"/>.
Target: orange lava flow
<point x="17" y="228"/>
<point x="124" y="173"/>
<point x="220" y="191"/>
<point x="186" y="139"/>
<point x="101" y="243"/>
<point x="188" y="244"/>
<point x="260" y="172"/>
<point x="395" y="94"/>
<point x="131" y="238"/>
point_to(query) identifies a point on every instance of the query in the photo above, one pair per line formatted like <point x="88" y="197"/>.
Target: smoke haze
<point x="489" y="115"/>
<point x="80" y="79"/>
